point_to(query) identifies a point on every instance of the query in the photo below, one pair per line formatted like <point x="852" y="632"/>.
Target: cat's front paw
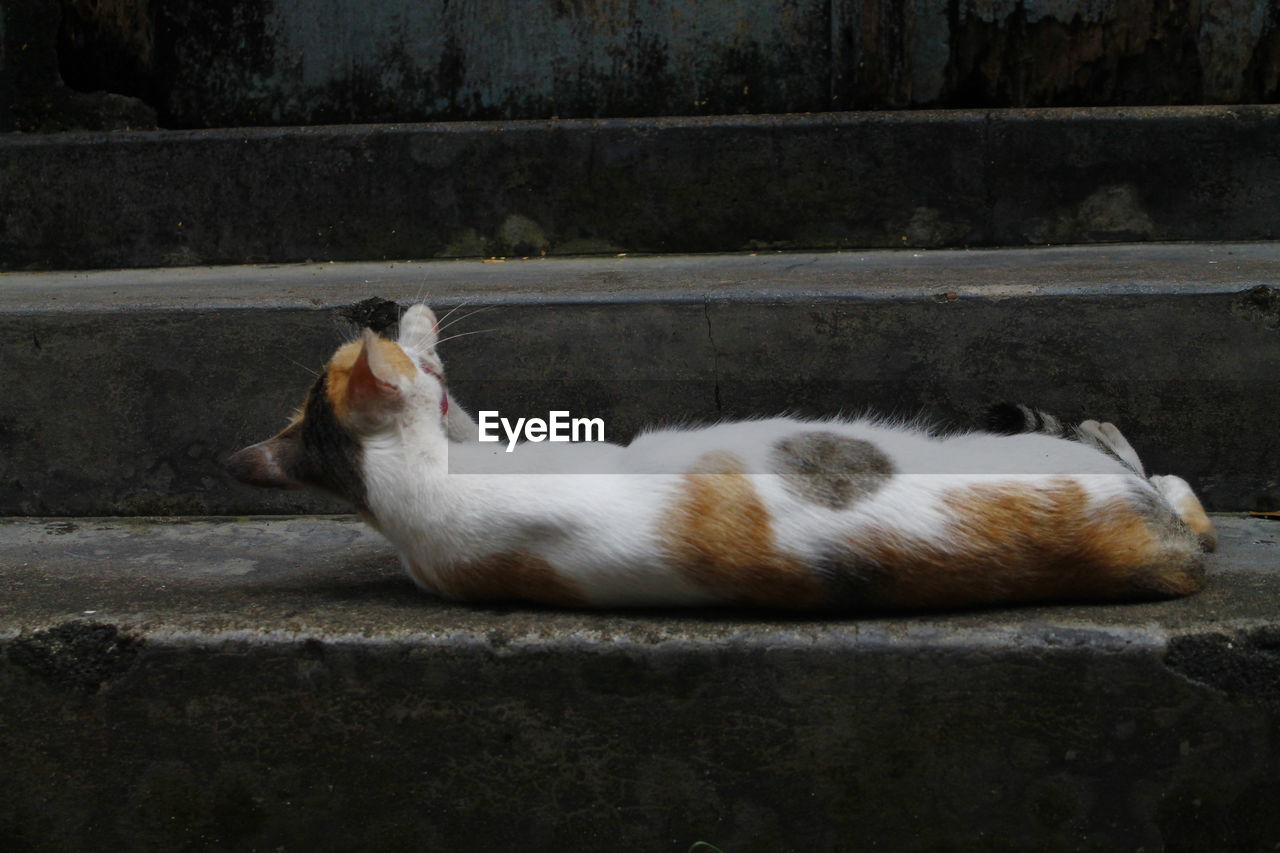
<point x="419" y="328"/>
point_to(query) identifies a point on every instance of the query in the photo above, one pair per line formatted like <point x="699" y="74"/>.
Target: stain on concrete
<point x="467" y="243"/>
<point x="1259" y="304"/>
<point x="61" y="528"/>
<point x="373" y="313"/>
<point x="1114" y="212"/>
<point x="77" y="656"/>
<point x="930" y="227"/>
<point x="522" y="237"/>
<point x="1110" y="214"/>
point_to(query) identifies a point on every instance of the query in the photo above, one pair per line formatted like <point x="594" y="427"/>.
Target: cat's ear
<point x="377" y="374"/>
<point x="264" y="464"/>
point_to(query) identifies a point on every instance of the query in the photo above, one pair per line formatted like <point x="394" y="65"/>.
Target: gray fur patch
<point x="830" y="470"/>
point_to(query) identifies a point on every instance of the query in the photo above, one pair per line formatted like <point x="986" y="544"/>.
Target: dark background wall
<point x="188" y="63"/>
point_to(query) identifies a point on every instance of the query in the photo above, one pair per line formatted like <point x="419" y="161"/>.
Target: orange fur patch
<point x="508" y="577"/>
<point x="346" y="361"/>
<point x="339" y="370"/>
<point x="720" y="537"/>
<point x="1016" y="542"/>
<point x="397" y="358"/>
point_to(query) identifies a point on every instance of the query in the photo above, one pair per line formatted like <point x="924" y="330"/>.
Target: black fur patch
<point x="328" y="457"/>
<point x="1008" y="419"/>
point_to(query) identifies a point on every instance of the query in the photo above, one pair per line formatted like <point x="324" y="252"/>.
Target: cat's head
<point x="371" y="388"/>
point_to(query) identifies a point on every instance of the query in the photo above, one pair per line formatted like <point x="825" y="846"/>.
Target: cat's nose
<point x="243" y="465"/>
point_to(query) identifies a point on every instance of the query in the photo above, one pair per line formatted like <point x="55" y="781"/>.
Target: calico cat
<point x="779" y="513"/>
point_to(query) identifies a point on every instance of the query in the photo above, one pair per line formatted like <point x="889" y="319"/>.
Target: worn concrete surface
<point x="277" y="684"/>
<point x="259" y="62"/>
<point x="124" y="390"/>
<point x="827" y="181"/>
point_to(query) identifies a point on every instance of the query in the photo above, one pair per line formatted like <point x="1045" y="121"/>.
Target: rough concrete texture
<point x="124" y="390"/>
<point x="278" y="684"/>
<point x="832" y="181"/>
<point x="264" y="62"/>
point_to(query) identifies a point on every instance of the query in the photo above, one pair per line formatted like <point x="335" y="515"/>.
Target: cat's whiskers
<point x="464" y="334"/>
<point x="347" y="331"/>
<point x="303" y="366"/>
<point x="442" y="325"/>
<point x="463" y="304"/>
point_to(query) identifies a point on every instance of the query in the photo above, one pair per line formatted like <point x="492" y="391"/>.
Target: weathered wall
<point x="33" y="95"/>
<point x="271" y="62"/>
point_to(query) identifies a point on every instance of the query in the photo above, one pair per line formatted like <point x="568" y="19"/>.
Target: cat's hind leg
<point x="1175" y="490"/>
<point x="1178" y="493"/>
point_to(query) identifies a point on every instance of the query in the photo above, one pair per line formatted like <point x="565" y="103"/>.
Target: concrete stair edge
<point x="266" y="682"/>
<point x="820" y="181"/>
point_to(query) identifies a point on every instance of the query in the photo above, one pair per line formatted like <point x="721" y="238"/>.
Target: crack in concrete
<point x="988" y="175"/>
<point x="715" y="353"/>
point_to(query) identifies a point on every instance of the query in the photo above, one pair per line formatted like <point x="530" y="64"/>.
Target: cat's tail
<point x="1014" y="418"/>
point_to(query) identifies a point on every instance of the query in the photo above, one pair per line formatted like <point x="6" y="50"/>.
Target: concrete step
<point x="719" y="184"/>
<point x="124" y="390"/>
<point x="277" y="683"/>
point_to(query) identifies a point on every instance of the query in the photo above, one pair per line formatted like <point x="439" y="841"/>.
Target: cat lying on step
<point x="785" y="513"/>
